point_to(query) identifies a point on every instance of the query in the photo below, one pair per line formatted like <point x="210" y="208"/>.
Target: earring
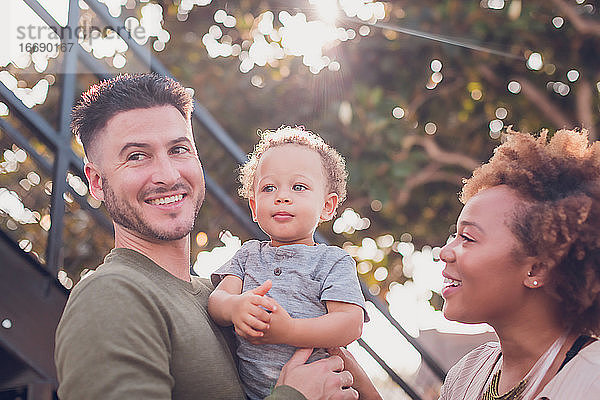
<point x="529" y="273"/>
<point x="535" y="283"/>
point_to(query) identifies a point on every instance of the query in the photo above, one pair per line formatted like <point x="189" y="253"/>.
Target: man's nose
<point x="165" y="171"/>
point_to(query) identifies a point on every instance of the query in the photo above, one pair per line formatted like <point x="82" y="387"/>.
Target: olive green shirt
<point x="131" y="330"/>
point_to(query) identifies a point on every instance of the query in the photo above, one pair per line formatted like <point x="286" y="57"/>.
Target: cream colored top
<point x="579" y="379"/>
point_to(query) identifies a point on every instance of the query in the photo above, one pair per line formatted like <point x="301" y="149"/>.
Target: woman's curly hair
<point x="334" y="166"/>
<point x="559" y="181"/>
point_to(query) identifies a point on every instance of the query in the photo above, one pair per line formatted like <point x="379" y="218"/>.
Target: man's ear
<point x="252" y="204"/>
<point x="329" y="207"/>
<point x="94" y="177"/>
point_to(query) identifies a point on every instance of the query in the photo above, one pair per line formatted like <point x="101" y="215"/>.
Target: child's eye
<point x="298" y="187"/>
<point x="268" y="188"/>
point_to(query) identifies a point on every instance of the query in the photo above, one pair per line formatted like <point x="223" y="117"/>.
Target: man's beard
<point x="126" y="215"/>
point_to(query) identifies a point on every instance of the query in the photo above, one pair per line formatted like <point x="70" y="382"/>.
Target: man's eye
<point x="268" y="188"/>
<point x="136" y="157"/>
<point x="180" y="150"/>
<point x="298" y="187"/>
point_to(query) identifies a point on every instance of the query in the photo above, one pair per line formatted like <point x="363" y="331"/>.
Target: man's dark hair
<point x="127" y="92"/>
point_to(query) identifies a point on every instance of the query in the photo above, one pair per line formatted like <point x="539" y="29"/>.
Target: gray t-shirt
<point x="304" y="277"/>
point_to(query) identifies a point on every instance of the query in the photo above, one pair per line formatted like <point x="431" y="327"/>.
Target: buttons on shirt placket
<point x="278" y="257"/>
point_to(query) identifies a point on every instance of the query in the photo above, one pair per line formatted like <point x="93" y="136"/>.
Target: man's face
<point x="145" y="168"/>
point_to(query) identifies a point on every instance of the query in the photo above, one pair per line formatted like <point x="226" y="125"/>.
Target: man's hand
<point x="321" y="380"/>
<point x="362" y="383"/>
<point x="249" y="315"/>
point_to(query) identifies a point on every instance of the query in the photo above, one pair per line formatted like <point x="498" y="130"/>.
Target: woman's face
<point x="484" y="276"/>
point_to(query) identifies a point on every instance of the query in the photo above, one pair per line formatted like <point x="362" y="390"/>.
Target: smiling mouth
<point x="165" y="200"/>
<point x="449" y="282"/>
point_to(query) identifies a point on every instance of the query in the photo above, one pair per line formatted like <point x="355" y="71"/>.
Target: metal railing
<point x="65" y="159"/>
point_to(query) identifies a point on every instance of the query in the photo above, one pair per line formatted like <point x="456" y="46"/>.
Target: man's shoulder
<point x="116" y="278"/>
<point x="110" y="273"/>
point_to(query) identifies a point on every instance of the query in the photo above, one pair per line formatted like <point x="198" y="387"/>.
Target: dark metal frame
<point x="65" y="159"/>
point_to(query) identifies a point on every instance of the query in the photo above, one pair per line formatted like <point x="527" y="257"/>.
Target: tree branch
<point x="421" y="97"/>
<point x="435" y="152"/>
<point x="537" y="98"/>
<point x="581" y="24"/>
<point x="431" y="173"/>
<point x="544" y="104"/>
<point x="585" y="105"/>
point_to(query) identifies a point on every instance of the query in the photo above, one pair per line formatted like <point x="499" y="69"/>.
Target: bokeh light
<point x="501" y="113"/>
<point x="534" y="61"/>
<point x="398" y="112"/>
<point x="514" y="87"/>
<point x="573" y="75"/>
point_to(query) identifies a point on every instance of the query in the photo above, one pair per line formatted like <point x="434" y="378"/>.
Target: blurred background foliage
<point x="415" y="95"/>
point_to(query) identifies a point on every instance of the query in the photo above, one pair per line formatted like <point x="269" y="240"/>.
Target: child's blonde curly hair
<point x="334" y="166"/>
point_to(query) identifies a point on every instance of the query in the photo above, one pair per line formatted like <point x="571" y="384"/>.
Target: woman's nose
<point x="446" y="253"/>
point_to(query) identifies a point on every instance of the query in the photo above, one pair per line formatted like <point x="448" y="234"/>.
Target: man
<point x="138" y="327"/>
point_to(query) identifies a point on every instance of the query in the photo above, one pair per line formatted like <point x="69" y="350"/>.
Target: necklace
<point x="528" y="386"/>
<point x="513" y="394"/>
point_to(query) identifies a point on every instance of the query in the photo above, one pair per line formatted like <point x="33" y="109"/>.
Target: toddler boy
<point x="293" y="181"/>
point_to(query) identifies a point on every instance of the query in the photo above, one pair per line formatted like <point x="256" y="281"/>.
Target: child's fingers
<point x="257" y="325"/>
<point x="263" y="289"/>
<point x="264" y="301"/>
<point x="247" y="332"/>
<point x="260" y="314"/>
<point x="270" y="304"/>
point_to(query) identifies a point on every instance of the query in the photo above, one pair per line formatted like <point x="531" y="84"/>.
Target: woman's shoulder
<point x="579" y="379"/>
<point x="478" y="355"/>
<point x="591" y="353"/>
<point x="470" y="372"/>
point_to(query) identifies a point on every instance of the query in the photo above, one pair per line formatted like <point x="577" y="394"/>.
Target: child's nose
<point x="282" y="198"/>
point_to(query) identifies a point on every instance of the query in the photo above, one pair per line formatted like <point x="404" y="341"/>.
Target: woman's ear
<point x="94" y="178"/>
<point x="537" y="276"/>
<point x="329" y="207"/>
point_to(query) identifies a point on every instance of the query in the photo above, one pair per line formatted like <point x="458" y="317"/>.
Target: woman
<point x="526" y="260"/>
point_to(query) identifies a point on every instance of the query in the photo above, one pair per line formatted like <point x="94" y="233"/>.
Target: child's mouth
<point x="282" y="216"/>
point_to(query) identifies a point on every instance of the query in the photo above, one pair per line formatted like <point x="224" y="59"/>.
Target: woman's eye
<point x="298" y="187"/>
<point x="466" y="238"/>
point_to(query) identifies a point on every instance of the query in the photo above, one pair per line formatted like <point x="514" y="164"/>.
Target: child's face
<point x="290" y="197"/>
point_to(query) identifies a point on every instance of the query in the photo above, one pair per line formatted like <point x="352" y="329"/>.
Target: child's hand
<point x="249" y="315"/>
<point x="278" y="329"/>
